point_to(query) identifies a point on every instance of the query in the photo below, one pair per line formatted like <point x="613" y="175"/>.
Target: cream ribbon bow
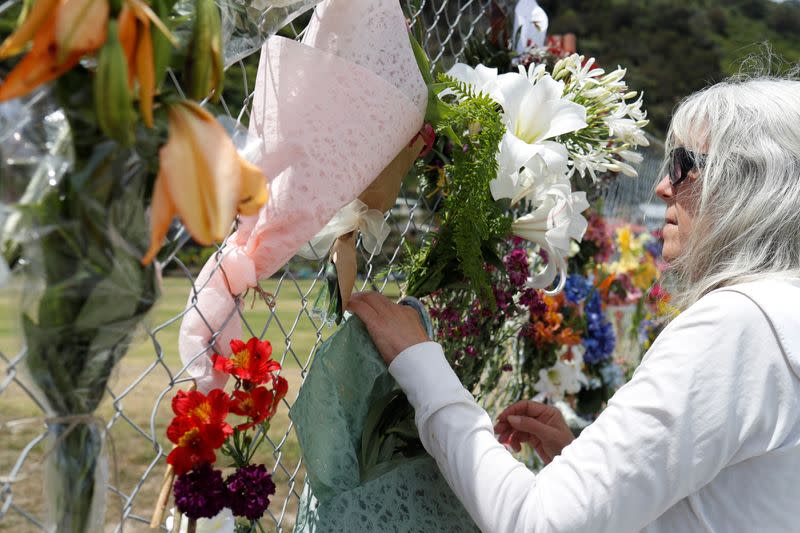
<point x="354" y="216"/>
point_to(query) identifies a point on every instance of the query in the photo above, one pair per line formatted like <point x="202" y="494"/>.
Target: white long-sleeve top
<point x="705" y="436"/>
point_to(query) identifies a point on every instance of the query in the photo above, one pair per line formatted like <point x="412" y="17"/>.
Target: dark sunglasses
<point x="682" y="162"/>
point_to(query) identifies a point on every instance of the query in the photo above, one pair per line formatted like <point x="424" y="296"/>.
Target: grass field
<point x="139" y="384"/>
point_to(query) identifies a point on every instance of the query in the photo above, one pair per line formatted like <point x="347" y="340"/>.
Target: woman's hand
<point x="393" y="327"/>
<point x="540" y="425"/>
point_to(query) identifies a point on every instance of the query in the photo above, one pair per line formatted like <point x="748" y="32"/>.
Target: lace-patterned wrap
<point x="331" y="413"/>
<point x="332" y="112"/>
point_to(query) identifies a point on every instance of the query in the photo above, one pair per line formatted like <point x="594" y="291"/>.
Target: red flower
<point x="204" y="410"/>
<point x="196" y="443"/>
<point x="257" y="405"/>
<point x="251" y="362"/>
<point x="280" y="386"/>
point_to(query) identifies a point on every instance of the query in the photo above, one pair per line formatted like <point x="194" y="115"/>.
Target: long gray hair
<point x="747" y="225"/>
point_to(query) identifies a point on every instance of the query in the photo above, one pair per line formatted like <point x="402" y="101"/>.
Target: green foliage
<point x="471" y="221"/>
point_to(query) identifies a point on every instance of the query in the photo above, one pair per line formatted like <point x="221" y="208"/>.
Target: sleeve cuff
<point x="427" y="379"/>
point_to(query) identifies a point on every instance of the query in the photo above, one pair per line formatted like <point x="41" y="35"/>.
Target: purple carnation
<point x="516" y="263"/>
<point x="200" y="493"/>
<point x="249" y="489"/>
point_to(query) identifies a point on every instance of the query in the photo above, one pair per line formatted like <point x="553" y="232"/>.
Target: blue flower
<point x="599" y="339"/>
<point x="577" y="288"/>
<point x="612" y="375"/>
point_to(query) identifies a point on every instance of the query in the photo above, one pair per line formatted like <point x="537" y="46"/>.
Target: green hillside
<point x="673" y="48"/>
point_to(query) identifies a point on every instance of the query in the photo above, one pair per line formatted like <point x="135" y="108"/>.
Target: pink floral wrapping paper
<point x="331" y="113"/>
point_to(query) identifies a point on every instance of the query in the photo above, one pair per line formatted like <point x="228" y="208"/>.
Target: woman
<point x="706" y="435"/>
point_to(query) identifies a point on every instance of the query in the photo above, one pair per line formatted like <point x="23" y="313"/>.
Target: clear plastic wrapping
<point x="85" y="294"/>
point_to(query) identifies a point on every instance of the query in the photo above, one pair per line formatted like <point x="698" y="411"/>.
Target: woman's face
<point x="681" y="203"/>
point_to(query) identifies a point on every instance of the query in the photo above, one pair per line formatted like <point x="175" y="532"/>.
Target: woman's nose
<point x="664" y="189"/>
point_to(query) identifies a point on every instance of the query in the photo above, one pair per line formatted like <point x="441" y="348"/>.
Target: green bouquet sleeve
<point x="365" y="467"/>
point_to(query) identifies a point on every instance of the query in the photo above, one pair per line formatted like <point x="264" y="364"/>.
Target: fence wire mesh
<point x="286" y="312"/>
<point x="137" y="408"/>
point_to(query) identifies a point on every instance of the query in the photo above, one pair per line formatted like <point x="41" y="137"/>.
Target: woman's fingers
<point x="392" y="327"/>
<point x="534" y="427"/>
<point x="363" y="310"/>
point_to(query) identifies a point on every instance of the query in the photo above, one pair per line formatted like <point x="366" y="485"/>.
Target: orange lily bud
<point x="146" y="73"/>
<point x="15" y="43"/>
<point x="203" y="177"/>
<point x="80" y="25"/>
<point x="128" y="35"/>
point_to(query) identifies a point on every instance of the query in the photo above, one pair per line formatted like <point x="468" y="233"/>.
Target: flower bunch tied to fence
<point x="200" y="429"/>
<point x="518" y="159"/>
<point x="84" y="243"/>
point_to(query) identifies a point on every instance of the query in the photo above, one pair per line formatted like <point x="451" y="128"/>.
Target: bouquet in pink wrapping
<point x="330" y="114"/>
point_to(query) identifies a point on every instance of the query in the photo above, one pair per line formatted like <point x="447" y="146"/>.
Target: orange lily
<point x="137" y="41"/>
<point x="202" y="178"/>
<point x="16" y="42"/>
<point x="77" y="28"/>
<point x="81" y="25"/>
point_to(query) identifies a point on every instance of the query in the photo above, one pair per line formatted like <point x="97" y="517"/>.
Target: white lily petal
<point x="568" y="117"/>
<point x="504" y="186"/>
<point x="508" y="91"/>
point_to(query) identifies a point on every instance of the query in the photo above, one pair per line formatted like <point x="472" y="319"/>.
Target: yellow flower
<point x="646" y="274"/>
<point x="202" y="179"/>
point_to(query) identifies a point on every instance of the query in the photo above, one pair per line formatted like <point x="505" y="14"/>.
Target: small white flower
<point x="592" y="162"/>
<point x="619" y="166"/>
<point x="565" y="377"/>
<point x="224" y="522"/>
<point x="631" y="157"/>
<point x="583" y="73"/>
<point x="534" y="73"/>
<point x="626" y="131"/>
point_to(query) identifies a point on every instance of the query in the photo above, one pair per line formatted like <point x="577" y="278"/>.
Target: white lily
<point x="354" y="216"/>
<point x="565" y="377"/>
<point x="532" y="182"/>
<point x="546" y="158"/>
<point x="535" y="112"/>
<point x="555" y="221"/>
<point x="481" y="78"/>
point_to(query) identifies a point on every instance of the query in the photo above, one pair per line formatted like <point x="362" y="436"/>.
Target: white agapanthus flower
<point x="565" y="377"/>
<point x="626" y="130"/>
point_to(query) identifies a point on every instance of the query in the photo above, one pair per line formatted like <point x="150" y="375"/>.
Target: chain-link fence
<point x="137" y="408"/>
<point x="286" y="312"/>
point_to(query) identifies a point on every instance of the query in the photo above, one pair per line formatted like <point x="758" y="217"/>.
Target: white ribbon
<point x="354" y="216"/>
